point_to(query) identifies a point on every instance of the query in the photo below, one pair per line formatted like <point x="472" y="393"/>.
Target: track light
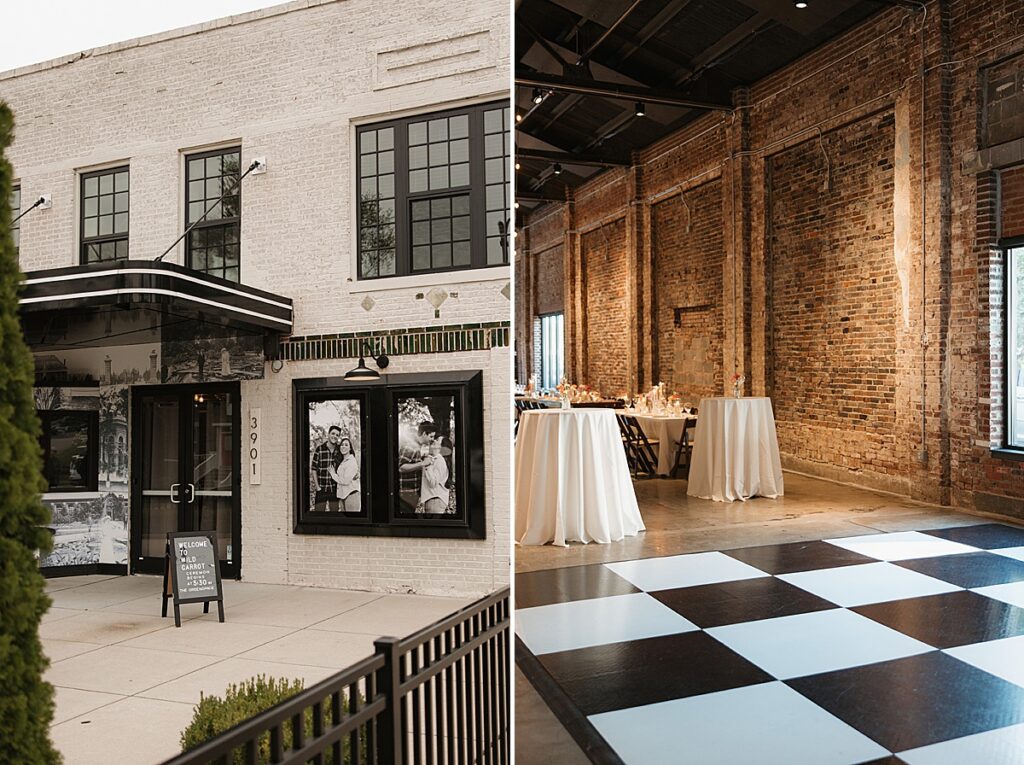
<point x="557" y="169"/>
<point x="800" y="4"/>
<point x="519" y="117"/>
<point x="639" y="109"/>
<point x="517" y="205"/>
<point x="517" y="165"/>
<point x="538" y="95"/>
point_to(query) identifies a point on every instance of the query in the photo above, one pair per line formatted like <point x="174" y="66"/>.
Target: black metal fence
<point x="438" y="697"/>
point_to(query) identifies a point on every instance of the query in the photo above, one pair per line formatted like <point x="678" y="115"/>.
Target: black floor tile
<point x="988" y="536"/>
<point x="797" y="556"/>
<point x="713" y="605"/>
<point x="561" y="585"/>
<point x="920" y="700"/>
<point x="979" y="569"/>
<point x="952" y="619"/>
<point x="638" y="672"/>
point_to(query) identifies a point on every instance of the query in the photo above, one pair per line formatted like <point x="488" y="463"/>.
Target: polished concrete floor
<point x="127" y="680"/>
<point x="811" y="510"/>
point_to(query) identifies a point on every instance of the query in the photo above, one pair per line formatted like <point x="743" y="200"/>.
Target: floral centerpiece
<point x="737" y="384"/>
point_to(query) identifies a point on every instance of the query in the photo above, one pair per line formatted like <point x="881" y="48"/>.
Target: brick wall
<point x="603" y="254"/>
<point x="901" y="252"/>
<point x="832" y="298"/>
<point x="689" y="254"/>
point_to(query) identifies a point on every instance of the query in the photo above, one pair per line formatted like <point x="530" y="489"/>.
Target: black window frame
<point x="15" y="212"/>
<point x="222" y="223"/>
<point x="381" y="512"/>
<point x="475" y="189"/>
<point x="92" y="448"/>
<point x="84" y="241"/>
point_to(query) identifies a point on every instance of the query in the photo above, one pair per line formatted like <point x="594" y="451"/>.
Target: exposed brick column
<point x="736" y="221"/>
<point x="575" y="295"/>
<point x="527" y="309"/>
<point x="638" y="276"/>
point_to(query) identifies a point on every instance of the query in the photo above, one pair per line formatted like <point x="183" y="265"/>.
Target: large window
<point x="433" y="192"/>
<point x="1015" y="345"/>
<point x="70" y="444"/>
<point x="213" y="245"/>
<point x="15" y="212"/>
<point x="552" y="349"/>
<point x="105" y="215"/>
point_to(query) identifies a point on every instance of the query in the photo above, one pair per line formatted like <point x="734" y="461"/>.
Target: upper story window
<point x="213" y="245"/>
<point x="433" y="192"/>
<point x="15" y="212"/>
<point x="105" y="215"/>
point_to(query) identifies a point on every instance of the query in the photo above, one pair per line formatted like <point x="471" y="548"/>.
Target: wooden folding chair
<point x="684" y="448"/>
<point x="644" y="462"/>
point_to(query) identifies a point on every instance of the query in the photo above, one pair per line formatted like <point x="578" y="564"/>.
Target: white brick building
<point x="341" y="99"/>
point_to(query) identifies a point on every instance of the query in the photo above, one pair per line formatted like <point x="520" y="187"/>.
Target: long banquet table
<point x="572" y="483"/>
<point x="736" y="451"/>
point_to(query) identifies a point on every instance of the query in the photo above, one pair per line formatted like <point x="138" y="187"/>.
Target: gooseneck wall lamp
<point x="363" y="373"/>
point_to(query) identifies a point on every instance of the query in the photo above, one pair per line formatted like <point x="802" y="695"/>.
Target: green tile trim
<point x="398" y="342"/>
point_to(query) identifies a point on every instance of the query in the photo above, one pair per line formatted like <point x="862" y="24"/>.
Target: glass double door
<point x="185" y="449"/>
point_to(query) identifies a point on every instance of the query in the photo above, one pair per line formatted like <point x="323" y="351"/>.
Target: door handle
<point x="191" y="493"/>
<point x="174" y="493"/>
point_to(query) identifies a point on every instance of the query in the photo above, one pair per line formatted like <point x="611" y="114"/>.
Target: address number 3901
<point x="254" y="446"/>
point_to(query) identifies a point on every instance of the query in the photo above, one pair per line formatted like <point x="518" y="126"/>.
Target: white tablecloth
<point x="572" y="482"/>
<point x="736" y="451"/>
<point x="667" y="429"/>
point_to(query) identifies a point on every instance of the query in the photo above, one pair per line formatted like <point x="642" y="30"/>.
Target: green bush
<point x="26" y="702"/>
<point x="214" y="715"/>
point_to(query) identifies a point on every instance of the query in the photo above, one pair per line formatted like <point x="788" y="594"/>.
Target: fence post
<point x="390" y="722"/>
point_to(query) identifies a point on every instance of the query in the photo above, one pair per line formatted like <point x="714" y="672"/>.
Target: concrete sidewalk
<point x="126" y="680"/>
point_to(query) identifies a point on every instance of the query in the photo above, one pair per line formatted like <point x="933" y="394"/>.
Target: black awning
<point x="56" y="305"/>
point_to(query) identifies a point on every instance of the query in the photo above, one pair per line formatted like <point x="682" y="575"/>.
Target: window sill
<point x="1008" y="453"/>
<point x="496" y="273"/>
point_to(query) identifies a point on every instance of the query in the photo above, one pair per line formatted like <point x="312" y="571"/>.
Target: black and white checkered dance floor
<point x="888" y="648"/>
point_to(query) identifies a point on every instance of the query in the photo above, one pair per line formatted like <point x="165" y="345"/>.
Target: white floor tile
<point x="903" y="545"/>
<point x="1010" y="552"/>
<point x="867" y="583"/>
<point x="1012" y="593"/>
<point x="654" y="574"/>
<point x="1004" y="746"/>
<point x="767" y="724"/>
<point x="807" y="644"/>
<point x="1002" y="658"/>
<point x="583" y="623"/>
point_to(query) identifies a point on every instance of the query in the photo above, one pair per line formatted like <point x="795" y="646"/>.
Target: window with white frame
<point x="433" y="192"/>
<point x="1015" y="345"/>
<point x="552" y="349"/>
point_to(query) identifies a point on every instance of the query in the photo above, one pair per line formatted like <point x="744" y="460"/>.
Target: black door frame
<point x="185" y="393"/>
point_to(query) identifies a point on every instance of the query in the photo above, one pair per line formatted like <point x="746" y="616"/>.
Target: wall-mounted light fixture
<point x="363" y="373"/>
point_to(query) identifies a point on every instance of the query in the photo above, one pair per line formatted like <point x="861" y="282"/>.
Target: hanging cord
<point x="202" y="217"/>
<point x="30" y="209"/>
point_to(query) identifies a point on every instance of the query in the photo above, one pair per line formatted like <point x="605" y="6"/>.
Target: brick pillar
<point x="637" y="275"/>
<point x="575" y="295"/>
<point x="736" y="279"/>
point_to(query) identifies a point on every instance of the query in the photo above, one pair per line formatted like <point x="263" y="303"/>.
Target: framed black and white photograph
<point x="426" y="456"/>
<point x="398" y="456"/>
<point x="332" y="457"/>
<point x="335" y="456"/>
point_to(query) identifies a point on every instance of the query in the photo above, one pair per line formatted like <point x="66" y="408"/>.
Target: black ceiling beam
<point x="542" y="42"/>
<point x="614" y="90"/>
<point x="606" y="34"/>
<point x="903" y="4"/>
<point x="538" y="196"/>
<point x="571" y="159"/>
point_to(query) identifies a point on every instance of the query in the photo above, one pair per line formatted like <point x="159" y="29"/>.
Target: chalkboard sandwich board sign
<point x="191" y="572"/>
